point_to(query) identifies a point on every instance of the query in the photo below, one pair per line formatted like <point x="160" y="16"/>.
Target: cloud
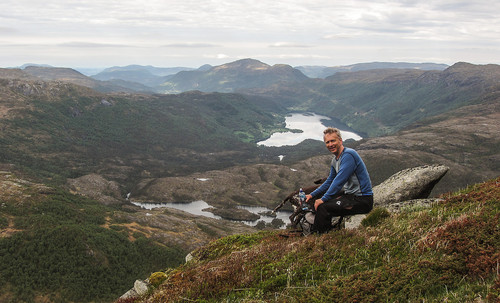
<point x="91" y="45"/>
<point x="191" y="45"/>
<point x="289" y="45"/>
<point x="7" y="30"/>
<point x="325" y="32"/>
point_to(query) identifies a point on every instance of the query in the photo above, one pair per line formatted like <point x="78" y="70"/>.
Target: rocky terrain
<point x="458" y="140"/>
<point x="168" y="226"/>
<point x="447" y="251"/>
<point x="70" y="155"/>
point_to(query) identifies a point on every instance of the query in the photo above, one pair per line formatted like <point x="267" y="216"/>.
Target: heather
<point x="448" y="252"/>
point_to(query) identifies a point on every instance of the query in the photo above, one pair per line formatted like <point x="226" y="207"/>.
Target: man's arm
<point x="324" y="187"/>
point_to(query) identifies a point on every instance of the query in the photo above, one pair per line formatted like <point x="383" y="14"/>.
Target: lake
<point x="311" y="127"/>
<point x="197" y="208"/>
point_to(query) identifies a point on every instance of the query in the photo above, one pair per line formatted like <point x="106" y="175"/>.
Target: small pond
<point x="197" y="208"/>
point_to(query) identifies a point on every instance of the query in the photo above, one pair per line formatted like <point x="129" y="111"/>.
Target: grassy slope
<point x="448" y="252"/>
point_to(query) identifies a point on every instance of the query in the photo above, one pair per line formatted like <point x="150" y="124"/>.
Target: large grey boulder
<point x="408" y="184"/>
<point x="140" y="289"/>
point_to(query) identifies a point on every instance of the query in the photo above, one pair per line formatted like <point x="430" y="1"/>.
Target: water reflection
<point x="197" y="208"/>
<point x="262" y="212"/>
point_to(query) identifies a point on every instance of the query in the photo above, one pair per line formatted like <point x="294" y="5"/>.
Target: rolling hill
<point x="326" y="71"/>
<point x="149" y="76"/>
<point x="381" y="102"/>
<point x="230" y="77"/>
<point x="57" y="126"/>
<point x="128" y="137"/>
<point x="67" y="130"/>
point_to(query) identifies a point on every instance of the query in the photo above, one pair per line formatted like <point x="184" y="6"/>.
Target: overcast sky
<point x="190" y="33"/>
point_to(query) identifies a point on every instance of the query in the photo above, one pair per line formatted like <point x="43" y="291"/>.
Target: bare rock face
<point x="96" y="187"/>
<point x="408" y="184"/>
<point x="408" y="187"/>
<point x="140" y="289"/>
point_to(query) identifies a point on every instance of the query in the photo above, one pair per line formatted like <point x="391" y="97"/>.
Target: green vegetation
<point x="375" y="217"/>
<point x="73" y="134"/>
<point x="157" y="278"/>
<point x="381" y="102"/>
<point x="445" y="253"/>
<point x="387" y="105"/>
<point x="59" y="246"/>
<point x="55" y="130"/>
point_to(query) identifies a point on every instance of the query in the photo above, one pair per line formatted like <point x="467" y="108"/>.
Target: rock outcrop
<point x="140" y="288"/>
<point x="97" y="187"/>
<point x="408" y="184"/>
<point x="411" y="186"/>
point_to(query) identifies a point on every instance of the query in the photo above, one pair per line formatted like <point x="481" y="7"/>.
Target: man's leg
<point x="344" y="205"/>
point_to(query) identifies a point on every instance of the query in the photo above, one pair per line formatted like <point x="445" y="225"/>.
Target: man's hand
<point x="317" y="203"/>
<point x="308" y="197"/>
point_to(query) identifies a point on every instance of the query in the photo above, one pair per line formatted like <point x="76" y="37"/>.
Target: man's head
<point x="333" y="141"/>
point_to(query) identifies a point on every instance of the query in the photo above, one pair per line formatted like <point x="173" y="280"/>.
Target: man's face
<point x="333" y="143"/>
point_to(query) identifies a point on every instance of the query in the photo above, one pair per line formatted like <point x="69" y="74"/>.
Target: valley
<point x="72" y="147"/>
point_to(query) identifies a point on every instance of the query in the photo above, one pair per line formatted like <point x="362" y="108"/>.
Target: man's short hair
<point x="332" y="130"/>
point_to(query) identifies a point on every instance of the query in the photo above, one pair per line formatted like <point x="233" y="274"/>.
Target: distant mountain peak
<point x="34" y="64"/>
<point x="233" y="76"/>
<point x="244" y="63"/>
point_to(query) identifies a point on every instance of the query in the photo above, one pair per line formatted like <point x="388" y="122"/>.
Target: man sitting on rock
<point x="347" y="190"/>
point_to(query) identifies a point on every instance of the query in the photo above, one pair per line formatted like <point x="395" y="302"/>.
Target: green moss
<point x="157" y="278"/>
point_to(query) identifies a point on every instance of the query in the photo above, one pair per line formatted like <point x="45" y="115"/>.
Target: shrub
<point x="375" y="217"/>
<point x="4" y="222"/>
<point x="157" y="278"/>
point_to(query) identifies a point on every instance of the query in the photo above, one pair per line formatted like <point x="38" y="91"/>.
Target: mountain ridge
<point x="326" y="71"/>
<point x="400" y="95"/>
<point x="153" y="77"/>
<point x="157" y="147"/>
<point x="244" y="73"/>
<point x="68" y="75"/>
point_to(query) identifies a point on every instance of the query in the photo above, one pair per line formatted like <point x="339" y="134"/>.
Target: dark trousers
<point x="344" y="205"/>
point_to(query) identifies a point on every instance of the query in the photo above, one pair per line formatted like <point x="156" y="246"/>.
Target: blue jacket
<point x="347" y="174"/>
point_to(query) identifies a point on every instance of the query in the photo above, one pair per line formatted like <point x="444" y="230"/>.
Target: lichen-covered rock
<point x="129" y="294"/>
<point x="399" y="206"/>
<point x="141" y="287"/>
<point x="354" y="222"/>
<point x="408" y="184"/>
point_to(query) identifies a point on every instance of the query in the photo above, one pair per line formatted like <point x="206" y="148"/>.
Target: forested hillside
<point x="57" y="246"/>
<point x="381" y="102"/>
<point x="60" y="130"/>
